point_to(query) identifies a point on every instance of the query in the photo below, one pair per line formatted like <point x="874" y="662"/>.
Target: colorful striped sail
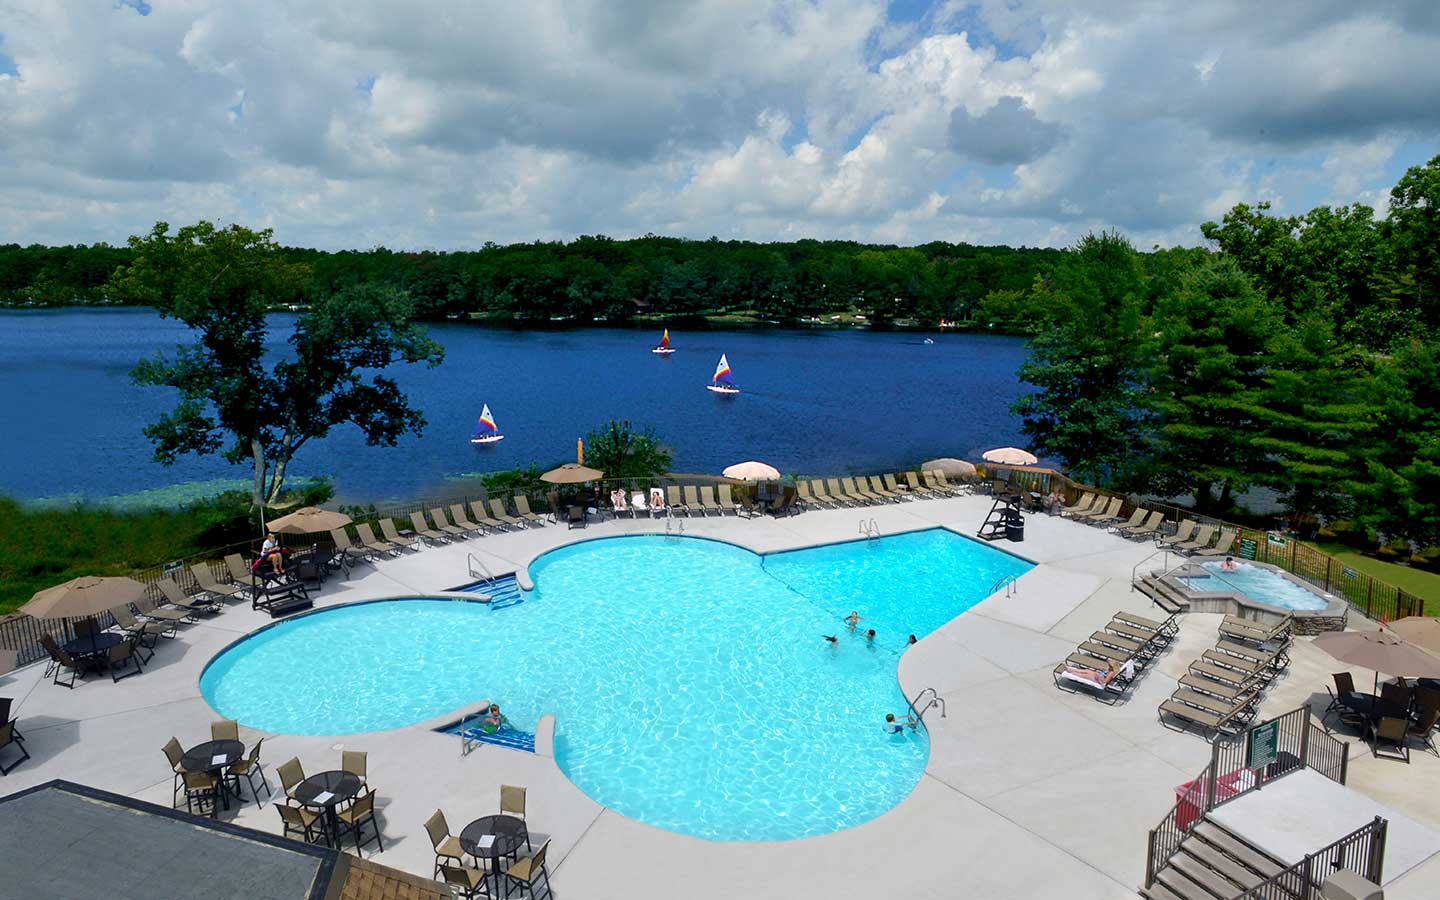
<point x="486" y="424"/>
<point x="722" y="372"/>
<point x="665" y="341"/>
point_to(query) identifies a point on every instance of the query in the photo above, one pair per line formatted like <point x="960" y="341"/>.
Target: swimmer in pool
<point x="832" y="640"/>
<point x="870" y="636"/>
<point x="1228" y="565"/>
<point x="910" y="641"/>
<point x="895" y="726"/>
<point x="493" y="720"/>
<point x="853" y="619"/>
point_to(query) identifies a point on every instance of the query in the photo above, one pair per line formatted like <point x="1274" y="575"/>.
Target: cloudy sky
<point x="447" y="123"/>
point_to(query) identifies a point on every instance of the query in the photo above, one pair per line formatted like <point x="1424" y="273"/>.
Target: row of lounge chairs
<point x="1196" y="540"/>
<point x="866" y="490"/>
<point x="1221" y="692"/>
<point x="1108" y="662"/>
<point x="1190" y="537"/>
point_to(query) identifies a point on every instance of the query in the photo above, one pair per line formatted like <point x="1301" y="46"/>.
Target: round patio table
<point x="213" y="756"/>
<point x="1372" y="707"/>
<point x="506" y="834"/>
<point x="93" y="645"/>
<point x="326" y="791"/>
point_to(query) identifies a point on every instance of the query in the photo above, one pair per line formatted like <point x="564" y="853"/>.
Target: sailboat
<point x="485" y="430"/>
<point x="722" y="382"/>
<point x="663" y="348"/>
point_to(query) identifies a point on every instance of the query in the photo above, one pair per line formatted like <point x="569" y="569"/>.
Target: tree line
<point x="1303" y="356"/>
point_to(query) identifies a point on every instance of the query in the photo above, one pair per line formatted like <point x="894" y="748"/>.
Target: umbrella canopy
<point x="571" y="473"/>
<point x="1422" y="631"/>
<point x="950" y="466"/>
<point x="88" y="595"/>
<point x="752" y="471"/>
<point x="1381" y="651"/>
<point x="1010" y="456"/>
<point x="309" y="519"/>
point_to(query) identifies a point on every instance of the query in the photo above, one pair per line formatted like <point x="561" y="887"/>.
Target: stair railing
<point x="1164" y="565"/>
<point x="930" y="698"/>
<point x="1008" y="583"/>
<point x="1362" y="851"/>
<point x="478" y="570"/>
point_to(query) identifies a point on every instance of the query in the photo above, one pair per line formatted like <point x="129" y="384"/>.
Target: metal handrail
<point x="870" y="529"/>
<point x="1135" y="569"/>
<point x="1008" y="582"/>
<point x="484" y="574"/>
<point x="935" y="700"/>
<point x="1302" y="880"/>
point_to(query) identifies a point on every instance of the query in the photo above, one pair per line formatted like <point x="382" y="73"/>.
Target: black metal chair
<point x="5" y="703"/>
<point x="200" y="788"/>
<point x="575" y="517"/>
<point x="1393" y="731"/>
<point x="121" y="657"/>
<point x="10" y="738"/>
<point x="62" y="662"/>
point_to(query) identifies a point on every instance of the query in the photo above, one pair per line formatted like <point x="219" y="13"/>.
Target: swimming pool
<point x="1256" y="583"/>
<point x="690" y="682"/>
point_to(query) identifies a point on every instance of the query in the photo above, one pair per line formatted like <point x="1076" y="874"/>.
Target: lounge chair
<point x="497" y="509"/>
<point x="522" y="509"/>
<point x="1228" y="722"/>
<point x="341" y="537"/>
<point x="707" y="500"/>
<point x="658" y="506"/>
<point x="1113" y="513"/>
<point x="833" y="488"/>
<point x="210" y="585"/>
<point x="1080" y="504"/>
<point x="1110" y="508"/>
<point x="692" y="499"/>
<point x="672" y="495"/>
<point x="916" y="487"/>
<point x="154" y="611"/>
<point x="1221" y="548"/>
<point x="853" y="489"/>
<point x="1249" y="630"/>
<point x="1088" y="504"/>
<point x="933" y="482"/>
<point x="146" y="633"/>
<point x="1202" y="538"/>
<point x="442" y="524"/>
<point x="638" y="504"/>
<point x="727" y="500"/>
<point x="817" y="491"/>
<point x="176" y="597"/>
<point x="1225" y="689"/>
<point x="424" y="531"/>
<point x="1136" y="519"/>
<point x="802" y="494"/>
<point x="1104" y="683"/>
<point x="1151" y="525"/>
<point x="1164" y="630"/>
<point x="619" y="503"/>
<point x="878" y="488"/>
<point x="1182" y="534"/>
<point x="955" y="487"/>
<point x="483" y="517"/>
<point x="896" y="488"/>
<point x="238" y="569"/>
<point x="462" y="521"/>
<point x="394" y="535"/>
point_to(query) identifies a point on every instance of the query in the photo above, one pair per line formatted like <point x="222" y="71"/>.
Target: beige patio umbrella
<point x="309" y="519"/>
<point x="1422" y="631"/>
<point x="950" y="466"/>
<point x="1381" y="651"/>
<point x="572" y="473"/>
<point x="1010" y="456"/>
<point x="88" y="595"/>
<point x="751" y="471"/>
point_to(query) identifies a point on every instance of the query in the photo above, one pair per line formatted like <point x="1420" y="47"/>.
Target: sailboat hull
<point x="488" y="439"/>
<point x="724" y="390"/>
<point x="663" y="351"/>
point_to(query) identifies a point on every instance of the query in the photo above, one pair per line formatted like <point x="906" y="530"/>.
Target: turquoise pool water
<point x="690" y="681"/>
<point x="1256" y="583"/>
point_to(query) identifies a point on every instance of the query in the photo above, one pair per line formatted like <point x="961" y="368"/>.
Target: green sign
<point x="1275" y="539"/>
<point x="1349" y="572"/>
<point x="1248" y="548"/>
<point x="1263" y="741"/>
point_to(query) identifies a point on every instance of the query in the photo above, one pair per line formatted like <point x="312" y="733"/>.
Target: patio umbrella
<point x="572" y="473"/>
<point x="88" y="595"/>
<point x="309" y="519"/>
<point x="1010" y="456"/>
<point x="751" y="471"/>
<point x="950" y="466"/>
<point x="1422" y="631"/>
<point x="1381" y="651"/>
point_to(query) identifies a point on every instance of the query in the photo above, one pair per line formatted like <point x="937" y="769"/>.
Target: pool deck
<point x="1029" y="791"/>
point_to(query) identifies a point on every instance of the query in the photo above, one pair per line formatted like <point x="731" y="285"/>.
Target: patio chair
<point x="1183" y="533"/>
<point x="878" y="488"/>
<point x="817" y="493"/>
<point x="238" y="569"/>
<point x="9" y="737"/>
<point x="497" y="509"/>
<point x="393" y="535"/>
<point x="354" y="762"/>
<point x="692" y="499"/>
<point x="63" y="661"/>
<point x="446" y="845"/>
<point x="176" y="597"/>
<point x="1424" y="728"/>
<point x="912" y="481"/>
<point x="225" y="730"/>
<point x="784" y="504"/>
<point x="1202" y="538"/>
<point x="1221" y="548"/>
<point x="442" y="524"/>
<point x="200" y="788"/>
<point x="367" y="539"/>
<point x="248" y="767"/>
<point x="1395" y="731"/>
<point x="5" y="703"/>
<point x="575" y="516"/>
<point x="522" y="509"/>
<point x="353" y="819"/>
<point x="462" y="521"/>
<point x="835" y="490"/>
<point x="1344" y="683"/>
<point x="209" y="584"/>
<point x="748" y="505"/>
<point x="121" y="657"/>
<point x="527" y="870"/>
<point x="304" y="822"/>
<point x="477" y="509"/>
<point x="896" y="488"/>
<point x="707" y="500"/>
<point x="140" y="631"/>
<point x="672" y="496"/>
<point x="512" y="803"/>
<point x="1395" y="693"/>
<point x="424" y="531"/>
<point x="727" y="500"/>
<point x="174" y="753"/>
<point x="466" y="882"/>
<point x="291" y="774"/>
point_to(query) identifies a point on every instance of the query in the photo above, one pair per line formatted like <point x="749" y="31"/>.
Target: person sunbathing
<point x="1102" y="679"/>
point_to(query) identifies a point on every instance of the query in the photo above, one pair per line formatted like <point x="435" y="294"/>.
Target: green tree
<point x="1403" y="457"/>
<point x="1413" y="230"/>
<point x="1086" y="408"/>
<point x="220" y="282"/>
<point x="621" y="450"/>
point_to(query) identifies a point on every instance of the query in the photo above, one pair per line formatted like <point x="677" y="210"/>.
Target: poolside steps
<point x="1213" y="863"/>
<point x="504" y="592"/>
<point x="1165" y="597"/>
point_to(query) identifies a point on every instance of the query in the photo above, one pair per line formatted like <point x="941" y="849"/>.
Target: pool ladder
<point x="930" y="698"/>
<point x="678" y="525"/>
<point x="870" y="529"/>
<point x="479" y="571"/>
<point x="1008" y="583"/>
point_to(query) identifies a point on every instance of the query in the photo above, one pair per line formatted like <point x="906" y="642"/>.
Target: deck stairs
<point x="504" y="592"/>
<point x="1213" y="863"/>
<point x="1164" y="596"/>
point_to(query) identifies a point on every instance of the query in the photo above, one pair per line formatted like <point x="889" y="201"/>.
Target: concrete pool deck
<point x="1029" y="791"/>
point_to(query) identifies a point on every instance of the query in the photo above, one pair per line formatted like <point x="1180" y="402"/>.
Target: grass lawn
<point x="1419" y="582"/>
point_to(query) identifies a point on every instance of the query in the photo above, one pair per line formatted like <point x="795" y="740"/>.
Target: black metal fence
<point x="1362" y="851"/>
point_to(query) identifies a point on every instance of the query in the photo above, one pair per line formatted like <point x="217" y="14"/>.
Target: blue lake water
<point x="814" y="402"/>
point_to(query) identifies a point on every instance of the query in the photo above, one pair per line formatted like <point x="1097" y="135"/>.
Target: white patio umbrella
<point x="950" y="466"/>
<point x="752" y="471"/>
<point x="1010" y="456"/>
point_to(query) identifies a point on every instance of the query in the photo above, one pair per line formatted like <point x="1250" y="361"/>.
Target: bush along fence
<point x="1374" y="598"/>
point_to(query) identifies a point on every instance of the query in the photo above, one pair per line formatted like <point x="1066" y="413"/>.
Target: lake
<point x="814" y="402"/>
